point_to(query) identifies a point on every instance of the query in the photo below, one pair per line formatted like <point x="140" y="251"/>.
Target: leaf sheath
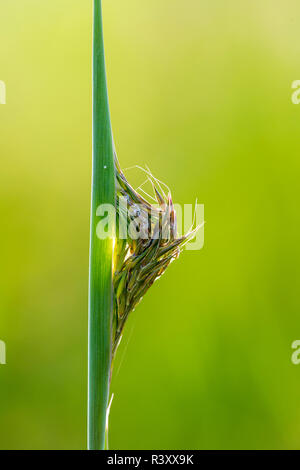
<point x="101" y="251"/>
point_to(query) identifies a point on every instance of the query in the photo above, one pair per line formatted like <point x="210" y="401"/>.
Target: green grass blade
<point x="101" y="251"/>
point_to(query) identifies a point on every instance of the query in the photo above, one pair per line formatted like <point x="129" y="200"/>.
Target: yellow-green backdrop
<point x="200" y="92"/>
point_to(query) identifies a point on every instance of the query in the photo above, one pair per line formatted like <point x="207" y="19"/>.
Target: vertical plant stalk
<point x="101" y="251"/>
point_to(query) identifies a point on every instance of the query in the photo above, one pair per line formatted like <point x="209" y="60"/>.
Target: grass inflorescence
<point x="143" y="258"/>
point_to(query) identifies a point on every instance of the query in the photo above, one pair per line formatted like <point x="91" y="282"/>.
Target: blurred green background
<point x="200" y="92"/>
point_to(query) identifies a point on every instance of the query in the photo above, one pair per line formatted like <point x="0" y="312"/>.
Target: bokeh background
<point x="201" y="92"/>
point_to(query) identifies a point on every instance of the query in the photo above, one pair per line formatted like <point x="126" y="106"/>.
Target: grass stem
<point x="101" y="251"/>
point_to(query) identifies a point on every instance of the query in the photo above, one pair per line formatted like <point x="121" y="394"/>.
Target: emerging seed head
<point x="141" y="260"/>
